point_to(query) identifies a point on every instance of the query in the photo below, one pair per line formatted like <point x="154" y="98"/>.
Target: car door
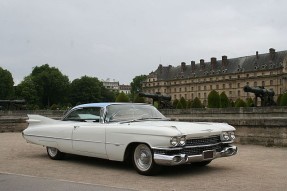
<point x="89" y="139"/>
<point x="88" y="134"/>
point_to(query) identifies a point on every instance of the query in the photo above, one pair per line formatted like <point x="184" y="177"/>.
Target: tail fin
<point x="39" y="120"/>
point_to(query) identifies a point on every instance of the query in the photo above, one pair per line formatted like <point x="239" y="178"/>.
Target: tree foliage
<point x="136" y="84"/>
<point x="224" y="101"/>
<point x="283" y="100"/>
<point x="196" y="103"/>
<point x="213" y="99"/>
<point x="174" y="103"/>
<point x="183" y="102"/>
<point x="6" y="84"/>
<point x="51" y="85"/>
<point x="27" y="90"/>
<point x="249" y="102"/>
<point x="85" y="90"/>
<point x="240" y="103"/>
<point x="122" y="97"/>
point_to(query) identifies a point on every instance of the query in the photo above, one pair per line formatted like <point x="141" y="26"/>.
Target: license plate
<point x="208" y="154"/>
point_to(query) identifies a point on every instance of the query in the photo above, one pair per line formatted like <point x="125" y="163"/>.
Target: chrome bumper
<point x="171" y="160"/>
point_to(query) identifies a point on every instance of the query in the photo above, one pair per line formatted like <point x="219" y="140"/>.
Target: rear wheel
<point x="143" y="160"/>
<point x="54" y="153"/>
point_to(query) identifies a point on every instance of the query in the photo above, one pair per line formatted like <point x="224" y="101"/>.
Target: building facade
<point x="125" y="88"/>
<point x="111" y="85"/>
<point x="225" y="75"/>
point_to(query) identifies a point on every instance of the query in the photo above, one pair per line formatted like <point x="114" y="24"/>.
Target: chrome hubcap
<point x="143" y="157"/>
<point x="52" y="151"/>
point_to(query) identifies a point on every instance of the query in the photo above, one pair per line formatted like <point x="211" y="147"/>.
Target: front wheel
<point x="143" y="160"/>
<point x="54" y="153"/>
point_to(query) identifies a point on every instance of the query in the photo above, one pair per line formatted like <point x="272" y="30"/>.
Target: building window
<point x="238" y="85"/>
<point x="230" y="85"/>
<point x="238" y="76"/>
<point x="230" y="77"/>
<point x="204" y="87"/>
<point x="174" y="96"/>
<point x="192" y="96"/>
<point x="223" y="86"/>
<point x="179" y="91"/>
<point x="199" y="88"/>
<point x="185" y="89"/>
<point x="247" y="75"/>
<point x="255" y="84"/>
<point x="204" y="95"/>
<point x="230" y="93"/>
<point x="191" y="88"/>
<point x="164" y="90"/>
<point x="217" y="86"/>
<point x="198" y="95"/>
<point x="185" y="96"/>
<point x="210" y="87"/>
<point x="238" y="93"/>
<point x="263" y="83"/>
<point x="271" y="82"/>
<point x="174" y="89"/>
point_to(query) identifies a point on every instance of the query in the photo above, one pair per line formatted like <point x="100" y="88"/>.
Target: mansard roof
<point x="258" y="62"/>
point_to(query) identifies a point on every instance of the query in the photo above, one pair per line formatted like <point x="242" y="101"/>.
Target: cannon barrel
<point x="155" y="97"/>
<point x="259" y="91"/>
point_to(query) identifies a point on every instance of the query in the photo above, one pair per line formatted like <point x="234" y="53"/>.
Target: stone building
<point x="111" y="85"/>
<point x="228" y="75"/>
<point x="125" y="88"/>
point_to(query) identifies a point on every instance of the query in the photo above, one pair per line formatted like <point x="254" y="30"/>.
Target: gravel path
<point x="253" y="168"/>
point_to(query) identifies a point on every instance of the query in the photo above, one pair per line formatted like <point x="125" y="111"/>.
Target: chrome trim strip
<point x="87" y="141"/>
<point x="186" y="147"/>
<point x="50" y="137"/>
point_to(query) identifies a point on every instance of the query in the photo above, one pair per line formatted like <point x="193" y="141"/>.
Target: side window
<point x="84" y="114"/>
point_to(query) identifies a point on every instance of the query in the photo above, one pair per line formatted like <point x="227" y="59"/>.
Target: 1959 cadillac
<point x="124" y="131"/>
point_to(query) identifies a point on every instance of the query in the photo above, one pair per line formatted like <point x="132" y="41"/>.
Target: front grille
<point x="203" y="141"/>
<point x="199" y="145"/>
<point x="189" y="151"/>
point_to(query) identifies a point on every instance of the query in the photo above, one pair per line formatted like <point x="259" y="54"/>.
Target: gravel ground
<point x="253" y="168"/>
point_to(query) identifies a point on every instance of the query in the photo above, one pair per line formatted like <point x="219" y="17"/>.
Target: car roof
<point x="105" y="104"/>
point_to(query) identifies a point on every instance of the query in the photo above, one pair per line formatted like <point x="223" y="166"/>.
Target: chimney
<point x="257" y="56"/>
<point x="213" y="62"/>
<point x="192" y="65"/>
<point x="202" y="65"/>
<point x="224" y="61"/>
<point x="160" y="68"/>
<point x="272" y="53"/>
<point x="183" y="66"/>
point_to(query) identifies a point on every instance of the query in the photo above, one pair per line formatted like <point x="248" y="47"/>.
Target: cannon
<point x="164" y="101"/>
<point x="266" y="96"/>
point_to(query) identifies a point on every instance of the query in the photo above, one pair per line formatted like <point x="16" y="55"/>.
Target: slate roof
<point x="259" y="62"/>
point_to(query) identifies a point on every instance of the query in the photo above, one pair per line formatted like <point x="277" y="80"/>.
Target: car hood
<point x="189" y="128"/>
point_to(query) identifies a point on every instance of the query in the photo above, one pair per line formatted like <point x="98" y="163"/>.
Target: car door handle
<point x="75" y="127"/>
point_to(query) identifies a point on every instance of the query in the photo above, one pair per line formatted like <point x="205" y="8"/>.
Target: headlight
<point x="228" y="136"/>
<point x="174" y="141"/>
<point x="182" y="140"/>
<point x="225" y="136"/>
<point x="178" y="141"/>
<point x="232" y="135"/>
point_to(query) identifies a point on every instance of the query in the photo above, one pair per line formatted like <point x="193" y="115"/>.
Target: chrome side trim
<point x="41" y="136"/>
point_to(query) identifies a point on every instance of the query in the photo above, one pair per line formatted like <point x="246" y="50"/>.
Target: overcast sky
<point x="120" y="39"/>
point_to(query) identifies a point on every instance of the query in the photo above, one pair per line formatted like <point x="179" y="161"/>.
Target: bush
<point x="122" y="97"/>
<point x="213" y="99"/>
<point x="183" y="102"/>
<point x="249" y="102"/>
<point x="196" y="103"/>
<point x="240" y="103"/>
<point x="283" y="100"/>
<point x="224" y="101"/>
<point x="174" y="103"/>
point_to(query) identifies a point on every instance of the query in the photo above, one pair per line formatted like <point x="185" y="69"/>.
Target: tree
<point x="283" y="100"/>
<point x="139" y="99"/>
<point x="196" y="103"/>
<point x="136" y="85"/>
<point x="189" y="103"/>
<point x="85" y="90"/>
<point x="213" y="99"/>
<point x="179" y="105"/>
<point x="183" y="102"/>
<point x="174" y="103"/>
<point x="279" y="99"/>
<point x="224" y="101"/>
<point x="27" y="90"/>
<point x="51" y="85"/>
<point x="6" y="84"/>
<point x="122" y="97"/>
<point x="240" y="103"/>
<point x="249" y="102"/>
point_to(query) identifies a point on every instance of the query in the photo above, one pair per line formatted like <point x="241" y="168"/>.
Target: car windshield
<point x="130" y="112"/>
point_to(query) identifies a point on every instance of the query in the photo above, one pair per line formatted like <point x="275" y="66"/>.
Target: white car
<point x="124" y="131"/>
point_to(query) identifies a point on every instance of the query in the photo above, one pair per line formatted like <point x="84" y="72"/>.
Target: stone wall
<point x="262" y="126"/>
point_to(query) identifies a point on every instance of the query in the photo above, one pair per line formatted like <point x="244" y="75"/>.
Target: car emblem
<point x="208" y="130"/>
